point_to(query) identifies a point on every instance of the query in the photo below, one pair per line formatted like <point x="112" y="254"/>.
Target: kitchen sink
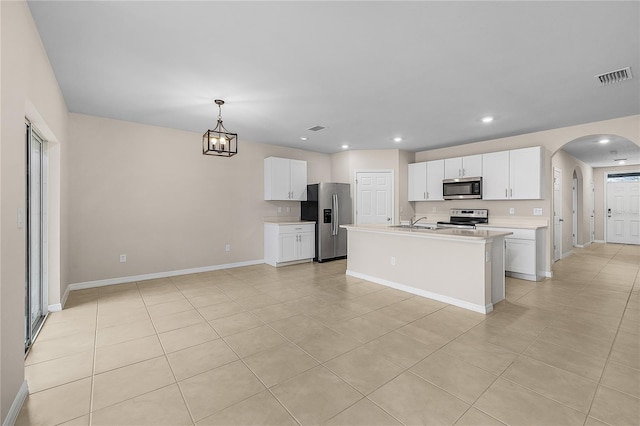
<point x="415" y="227"/>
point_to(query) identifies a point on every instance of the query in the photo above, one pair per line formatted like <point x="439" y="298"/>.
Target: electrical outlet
<point x="123" y="258"/>
<point x="512" y="211"/>
<point x="537" y="211"/>
<point x="393" y="261"/>
<point x="227" y="247"/>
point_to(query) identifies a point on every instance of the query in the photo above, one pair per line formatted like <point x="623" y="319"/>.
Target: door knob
<point x="560" y="220"/>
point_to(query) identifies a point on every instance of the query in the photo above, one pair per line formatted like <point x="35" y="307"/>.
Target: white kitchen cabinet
<point x="425" y="180"/>
<point x="288" y="243"/>
<point x="435" y="174"/>
<point x="468" y="166"/>
<point x="526" y="172"/>
<point x="495" y="179"/>
<point x="285" y="179"/>
<point x="417" y="181"/>
<point x="513" y="175"/>
<point x="524" y="252"/>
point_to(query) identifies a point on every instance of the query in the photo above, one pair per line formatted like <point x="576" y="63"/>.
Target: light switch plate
<point x="512" y="210"/>
<point x="537" y="211"/>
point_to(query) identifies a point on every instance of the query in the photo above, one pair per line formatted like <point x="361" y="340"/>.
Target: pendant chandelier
<point x="219" y="141"/>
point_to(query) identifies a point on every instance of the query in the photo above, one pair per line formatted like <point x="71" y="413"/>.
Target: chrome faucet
<point x="413" y="222"/>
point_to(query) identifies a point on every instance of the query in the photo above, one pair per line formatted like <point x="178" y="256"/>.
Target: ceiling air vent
<point x="615" y="76"/>
<point x="315" y="128"/>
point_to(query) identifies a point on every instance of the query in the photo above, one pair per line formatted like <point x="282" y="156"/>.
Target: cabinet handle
<point x="505" y="193"/>
<point x="510" y="192"/>
<point x="463" y="172"/>
<point x="425" y="196"/>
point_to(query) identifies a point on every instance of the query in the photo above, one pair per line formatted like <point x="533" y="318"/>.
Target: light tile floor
<point x="306" y="344"/>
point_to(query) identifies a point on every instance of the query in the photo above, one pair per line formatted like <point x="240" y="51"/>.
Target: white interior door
<point x="623" y="212"/>
<point x="574" y="212"/>
<point x="592" y="214"/>
<point x="557" y="214"/>
<point x="374" y="197"/>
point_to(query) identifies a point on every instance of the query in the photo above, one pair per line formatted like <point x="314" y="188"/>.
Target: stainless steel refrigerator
<point x="329" y="205"/>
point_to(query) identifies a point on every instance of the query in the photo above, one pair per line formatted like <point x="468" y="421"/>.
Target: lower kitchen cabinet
<point x="288" y="243"/>
<point x="524" y="252"/>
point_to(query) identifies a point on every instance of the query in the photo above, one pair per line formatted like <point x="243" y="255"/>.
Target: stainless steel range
<point x="465" y="219"/>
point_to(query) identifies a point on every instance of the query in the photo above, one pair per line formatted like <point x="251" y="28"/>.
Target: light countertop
<point x="288" y="221"/>
<point x="511" y="225"/>
<point x="445" y="233"/>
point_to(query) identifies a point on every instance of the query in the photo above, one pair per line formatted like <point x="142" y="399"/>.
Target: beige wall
<point x="345" y="164"/>
<point x="149" y="193"/>
<point x="29" y="89"/>
<point x="599" y="174"/>
<point x="570" y="166"/>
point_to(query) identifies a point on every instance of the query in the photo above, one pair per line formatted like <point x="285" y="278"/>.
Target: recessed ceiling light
<point x="605" y="140"/>
<point x="345" y="146"/>
<point x="397" y="139"/>
<point x="487" y="119"/>
<point x="302" y="138"/>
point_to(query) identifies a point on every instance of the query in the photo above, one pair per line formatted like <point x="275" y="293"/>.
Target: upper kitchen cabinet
<point x="513" y="175"/>
<point x="417" y="181"/>
<point x="468" y="166"/>
<point x="425" y="181"/>
<point x="285" y="179"/>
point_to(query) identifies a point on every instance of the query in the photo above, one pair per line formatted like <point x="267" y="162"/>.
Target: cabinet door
<point x="306" y="245"/>
<point x="452" y="167"/>
<point x="298" y="180"/>
<point x="526" y="173"/>
<point x="495" y="179"/>
<point x="472" y="165"/>
<point x="287" y="247"/>
<point x="417" y="181"/>
<point x="435" y="174"/>
<point x="277" y="179"/>
<point x="520" y="256"/>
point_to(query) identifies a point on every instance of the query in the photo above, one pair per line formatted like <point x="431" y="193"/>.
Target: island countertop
<point x="441" y="234"/>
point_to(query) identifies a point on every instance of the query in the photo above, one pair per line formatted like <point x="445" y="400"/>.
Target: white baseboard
<point x="435" y="296"/>
<point x="583" y="245"/>
<point x="599" y="241"/>
<point x="548" y="274"/>
<point x="56" y="307"/>
<point x="567" y="254"/>
<point x="155" y="275"/>
<point x="16" y="406"/>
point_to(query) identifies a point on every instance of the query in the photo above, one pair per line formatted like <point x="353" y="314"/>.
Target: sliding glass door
<point x="36" y="300"/>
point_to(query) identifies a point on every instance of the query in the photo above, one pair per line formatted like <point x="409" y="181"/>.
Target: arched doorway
<point x="584" y="163"/>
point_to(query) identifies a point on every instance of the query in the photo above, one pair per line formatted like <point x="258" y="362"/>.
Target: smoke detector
<point x="616" y="76"/>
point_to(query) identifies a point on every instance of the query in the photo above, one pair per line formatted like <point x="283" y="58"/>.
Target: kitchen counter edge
<point x="438" y="234"/>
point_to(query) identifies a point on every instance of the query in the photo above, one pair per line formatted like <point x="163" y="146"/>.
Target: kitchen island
<point x="462" y="267"/>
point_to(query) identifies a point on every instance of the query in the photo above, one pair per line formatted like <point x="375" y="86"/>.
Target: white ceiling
<point x="596" y="154"/>
<point x="367" y="71"/>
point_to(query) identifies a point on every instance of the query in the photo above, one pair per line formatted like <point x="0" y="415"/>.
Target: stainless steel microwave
<point x="462" y="188"/>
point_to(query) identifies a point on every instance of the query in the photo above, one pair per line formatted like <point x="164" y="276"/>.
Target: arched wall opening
<point x="588" y="202"/>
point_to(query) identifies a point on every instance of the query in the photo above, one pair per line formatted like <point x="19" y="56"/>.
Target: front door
<point x="374" y="197"/>
<point x="623" y="211"/>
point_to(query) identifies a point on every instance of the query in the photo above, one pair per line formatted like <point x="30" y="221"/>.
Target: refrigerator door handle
<point x="334" y="214"/>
